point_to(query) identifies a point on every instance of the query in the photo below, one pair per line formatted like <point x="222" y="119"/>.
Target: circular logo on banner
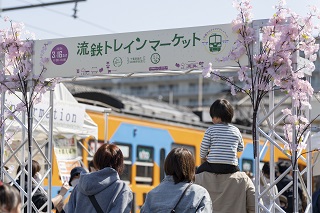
<point x="117" y="62"/>
<point x="59" y="54"/>
<point x="215" y="40"/>
<point x="155" y="58"/>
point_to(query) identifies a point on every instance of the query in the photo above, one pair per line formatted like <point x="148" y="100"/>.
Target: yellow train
<point x="146" y="131"/>
<point x="145" y="142"/>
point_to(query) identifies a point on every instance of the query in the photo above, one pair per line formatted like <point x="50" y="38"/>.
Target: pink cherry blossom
<point x="285" y="35"/>
<point x="16" y="45"/>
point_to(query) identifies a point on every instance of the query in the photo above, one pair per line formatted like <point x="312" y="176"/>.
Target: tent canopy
<point x="69" y="117"/>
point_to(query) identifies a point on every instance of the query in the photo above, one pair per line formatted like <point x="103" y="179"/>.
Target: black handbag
<point x="174" y="208"/>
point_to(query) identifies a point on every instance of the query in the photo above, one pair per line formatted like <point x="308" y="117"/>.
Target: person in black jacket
<point x="283" y="166"/>
<point x="40" y="198"/>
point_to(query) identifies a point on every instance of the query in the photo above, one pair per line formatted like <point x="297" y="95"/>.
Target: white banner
<point x="66" y="115"/>
<point x="152" y="51"/>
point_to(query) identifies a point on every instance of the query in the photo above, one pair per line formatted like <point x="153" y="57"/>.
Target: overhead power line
<point x="43" y="4"/>
<point x="40" y="5"/>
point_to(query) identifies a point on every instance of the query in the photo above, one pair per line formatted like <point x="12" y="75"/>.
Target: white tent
<point x="69" y="117"/>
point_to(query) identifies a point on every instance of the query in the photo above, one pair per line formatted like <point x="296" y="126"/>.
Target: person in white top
<point x="221" y="141"/>
<point x="268" y="196"/>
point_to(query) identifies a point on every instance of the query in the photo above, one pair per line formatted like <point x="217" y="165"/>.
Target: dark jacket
<point x="289" y="192"/>
<point x="39" y="198"/>
<point x="316" y="202"/>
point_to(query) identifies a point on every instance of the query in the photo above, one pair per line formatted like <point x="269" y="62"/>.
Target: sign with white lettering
<point x="65" y="167"/>
<point x="65" y="148"/>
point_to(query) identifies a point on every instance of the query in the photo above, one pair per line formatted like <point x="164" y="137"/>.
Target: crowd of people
<point x="217" y="185"/>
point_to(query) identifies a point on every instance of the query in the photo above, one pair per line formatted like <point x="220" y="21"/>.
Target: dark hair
<point x="180" y="164"/>
<point x="266" y="168"/>
<point x="35" y="168"/>
<point x="9" y="197"/>
<point x="90" y="165"/>
<point x="76" y="171"/>
<point x="222" y="109"/>
<point x="109" y="155"/>
<point x="283" y="166"/>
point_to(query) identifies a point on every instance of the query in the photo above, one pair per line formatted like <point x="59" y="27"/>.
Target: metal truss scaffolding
<point x="270" y="118"/>
<point x="20" y="151"/>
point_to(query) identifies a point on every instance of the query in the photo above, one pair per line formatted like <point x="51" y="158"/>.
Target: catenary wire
<point x="79" y="19"/>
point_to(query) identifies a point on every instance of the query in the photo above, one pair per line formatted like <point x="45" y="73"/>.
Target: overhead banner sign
<point x="137" y="52"/>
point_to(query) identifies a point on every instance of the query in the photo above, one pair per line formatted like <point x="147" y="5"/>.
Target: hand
<point x="203" y="160"/>
<point x="59" y="206"/>
<point x="64" y="188"/>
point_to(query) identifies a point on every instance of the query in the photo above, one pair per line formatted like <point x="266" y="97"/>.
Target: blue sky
<point x="96" y="17"/>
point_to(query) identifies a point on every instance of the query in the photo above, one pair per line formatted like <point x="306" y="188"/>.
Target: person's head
<point x="180" y="164"/>
<point x="35" y="170"/>
<point x="109" y="155"/>
<point x="221" y="109"/>
<point x="283" y="202"/>
<point x="75" y="175"/>
<point x="283" y="166"/>
<point x="266" y="169"/>
<point x="91" y="167"/>
<point x="10" y="200"/>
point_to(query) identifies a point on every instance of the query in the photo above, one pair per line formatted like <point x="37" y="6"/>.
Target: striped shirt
<point x="222" y="141"/>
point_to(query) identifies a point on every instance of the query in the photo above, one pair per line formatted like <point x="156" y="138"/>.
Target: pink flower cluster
<point x="275" y="66"/>
<point x="16" y="76"/>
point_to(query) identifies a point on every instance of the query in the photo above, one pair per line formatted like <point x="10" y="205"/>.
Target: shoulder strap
<point x="174" y="208"/>
<point x="95" y="203"/>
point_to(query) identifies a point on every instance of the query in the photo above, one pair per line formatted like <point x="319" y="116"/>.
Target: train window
<point x="127" y="156"/>
<point x="94" y="145"/>
<point x="144" y="165"/>
<point x="247" y="165"/>
<point x="191" y="148"/>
